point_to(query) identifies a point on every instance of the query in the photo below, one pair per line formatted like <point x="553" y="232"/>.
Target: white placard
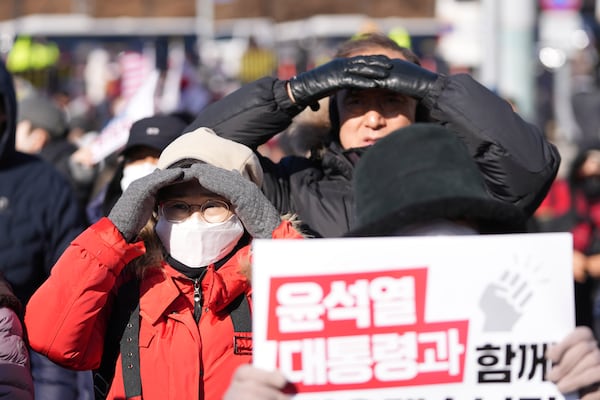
<point x="433" y="318"/>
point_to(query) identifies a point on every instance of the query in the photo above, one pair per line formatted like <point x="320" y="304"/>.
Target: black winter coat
<point x="39" y="213"/>
<point x="517" y="161"/>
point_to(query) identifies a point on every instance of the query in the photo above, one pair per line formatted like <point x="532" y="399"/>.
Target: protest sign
<point x="114" y="135"/>
<point x="432" y="318"/>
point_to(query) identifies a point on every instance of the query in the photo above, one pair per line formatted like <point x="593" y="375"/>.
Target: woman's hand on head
<point x="134" y="208"/>
<point x="259" y="216"/>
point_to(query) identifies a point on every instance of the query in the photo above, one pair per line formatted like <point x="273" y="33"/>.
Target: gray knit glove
<point x="259" y="216"/>
<point x="134" y="208"/>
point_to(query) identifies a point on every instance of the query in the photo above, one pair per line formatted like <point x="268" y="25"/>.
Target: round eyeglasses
<point x="211" y="211"/>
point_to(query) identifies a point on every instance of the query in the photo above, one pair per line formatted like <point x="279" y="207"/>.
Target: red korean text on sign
<point x="362" y="331"/>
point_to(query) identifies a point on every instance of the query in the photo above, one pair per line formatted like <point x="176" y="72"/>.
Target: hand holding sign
<point x="251" y="383"/>
<point x="576" y="362"/>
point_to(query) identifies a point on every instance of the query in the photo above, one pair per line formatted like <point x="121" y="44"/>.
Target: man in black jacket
<point x="377" y="87"/>
<point x="445" y="196"/>
<point x="39" y="216"/>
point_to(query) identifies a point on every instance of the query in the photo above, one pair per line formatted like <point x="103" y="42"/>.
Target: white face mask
<point x="136" y="171"/>
<point x="197" y="243"/>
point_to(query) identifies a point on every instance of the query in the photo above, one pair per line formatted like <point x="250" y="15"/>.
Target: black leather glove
<point x="134" y="208"/>
<point x="255" y="211"/>
<point x="359" y="72"/>
<point x="408" y="78"/>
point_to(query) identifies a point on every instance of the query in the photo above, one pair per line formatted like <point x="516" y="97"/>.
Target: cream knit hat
<point x="203" y="144"/>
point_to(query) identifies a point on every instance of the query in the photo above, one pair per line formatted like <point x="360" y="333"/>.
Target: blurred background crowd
<point x="90" y="57"/>
<point x="106" y="64"/>
<point x="102" y="65"/>
<point x="86" y="70"/>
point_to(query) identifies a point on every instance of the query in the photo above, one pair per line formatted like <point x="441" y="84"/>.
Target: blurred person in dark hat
<point x="374" y="87"/>
<point x="426" y="183"/>
<point x="147" y="139"/>
<point x="42" y="129"/>
<point x="421" y="181"/>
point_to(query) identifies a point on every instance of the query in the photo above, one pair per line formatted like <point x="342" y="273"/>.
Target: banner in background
<point x="115" y="134"/>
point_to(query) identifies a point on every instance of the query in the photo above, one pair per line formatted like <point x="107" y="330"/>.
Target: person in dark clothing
<point x="15" y="374"/>
<point x="42" y="129"/>
<point x="573" y="205"/>
<point x="147" y="138"/>
<point x="447" y="196"/>
<point x="39" y="216"/>
<point x="377" y="87"/>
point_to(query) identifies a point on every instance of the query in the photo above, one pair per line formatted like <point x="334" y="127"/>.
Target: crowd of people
<point x="132" y="278"/>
